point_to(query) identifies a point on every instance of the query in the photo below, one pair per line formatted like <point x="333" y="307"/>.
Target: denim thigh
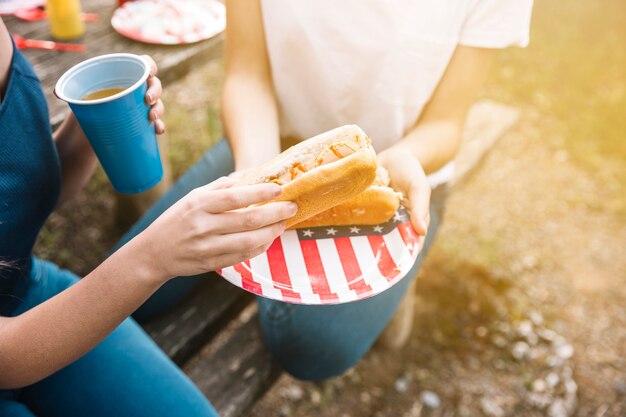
<point x="125" y="375"/>
<point x="319" y="342"/>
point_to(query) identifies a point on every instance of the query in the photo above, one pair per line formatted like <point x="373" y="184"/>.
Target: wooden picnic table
<point x="174" y="61"/>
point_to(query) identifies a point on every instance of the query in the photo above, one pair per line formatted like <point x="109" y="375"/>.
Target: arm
<point x="76" y="154"/>
<point x="436" y="137"/>
<point x="249" y="108"/>
<point x="76" y="157"/>
<point x="206" y="230"/>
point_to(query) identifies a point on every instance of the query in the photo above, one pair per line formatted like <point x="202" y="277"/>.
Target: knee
<point x="314" y="359"/>
<point x="311" y="344"/>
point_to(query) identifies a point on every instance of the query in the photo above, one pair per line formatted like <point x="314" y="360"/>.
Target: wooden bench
<point x="214" y="335"/>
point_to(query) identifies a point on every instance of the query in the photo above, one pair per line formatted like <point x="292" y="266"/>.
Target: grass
<point x="193" y="120"/>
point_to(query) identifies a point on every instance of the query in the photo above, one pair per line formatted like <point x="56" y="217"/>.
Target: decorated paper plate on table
<point x="11" y="6"/>
<point x="170" y="22"/>
<point x="331" y="265"/>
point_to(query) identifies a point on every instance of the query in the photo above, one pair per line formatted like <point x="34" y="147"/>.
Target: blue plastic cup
<point x="117" y="126"/>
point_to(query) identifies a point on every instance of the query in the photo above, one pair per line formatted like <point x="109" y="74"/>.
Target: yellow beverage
<point x="64" y="18"/>
<point x="105" y="92"/>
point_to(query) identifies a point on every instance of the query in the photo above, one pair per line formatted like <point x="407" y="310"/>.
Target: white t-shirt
<point x="375" y="63"/>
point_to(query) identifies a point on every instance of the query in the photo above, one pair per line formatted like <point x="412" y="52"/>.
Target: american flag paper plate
<point x="170" y="22"/>
<point x="330" y="265"/>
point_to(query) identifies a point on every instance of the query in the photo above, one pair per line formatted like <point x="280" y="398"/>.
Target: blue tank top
<point x="30" y="176"/>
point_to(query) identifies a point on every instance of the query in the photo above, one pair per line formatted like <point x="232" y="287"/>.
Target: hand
<point x="153" y="97"/>
<point x="213" y="227"/>
<point x="408" y="177"/>
<point x="238" y="175"/>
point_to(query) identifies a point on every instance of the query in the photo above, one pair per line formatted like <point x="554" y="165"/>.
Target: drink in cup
<point x="106" y="94"/>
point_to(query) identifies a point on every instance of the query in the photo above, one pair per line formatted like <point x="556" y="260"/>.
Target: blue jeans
<point x="128" y="375"/>
<point x="125" y="375"/>
<point x="309" y="342"/>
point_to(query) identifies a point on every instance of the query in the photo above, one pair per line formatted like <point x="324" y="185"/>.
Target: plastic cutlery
<point x="36" y="13"/>
<point x="22" y="43"/>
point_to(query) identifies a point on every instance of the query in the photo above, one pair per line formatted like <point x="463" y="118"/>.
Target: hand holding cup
<point x="116" y="100"/>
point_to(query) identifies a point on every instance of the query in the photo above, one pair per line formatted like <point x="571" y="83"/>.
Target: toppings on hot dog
<point x="320" y="172"/>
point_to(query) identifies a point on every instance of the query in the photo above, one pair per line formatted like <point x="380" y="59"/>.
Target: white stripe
<point x="232" y="276"/>
<point x="399" y="252"/>
<point x="369" y="264"/>
<point x="297" y="268"/>
<point x="334" y="271"/>
<point x="261" y="274"/>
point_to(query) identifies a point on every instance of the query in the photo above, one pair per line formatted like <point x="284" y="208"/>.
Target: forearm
<point x="55" y="333"/>
<point x="433" y="143"/>
<point x="436" y="137"/>
<point x="250" y="119"/>
<point x="76" y="157"/>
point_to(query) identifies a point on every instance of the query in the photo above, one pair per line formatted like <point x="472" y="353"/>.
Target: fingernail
<point x="423" y="226"/>
<point x="150" y="99"/>
<point x="153" y="115"/>
<point x="293" y="208"/>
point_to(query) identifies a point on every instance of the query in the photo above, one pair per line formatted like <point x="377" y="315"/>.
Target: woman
<point x="66" y="345"/>
<point x="406" y="72"/>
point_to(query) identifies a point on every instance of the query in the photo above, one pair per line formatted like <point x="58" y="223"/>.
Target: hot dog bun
<point x="377" y="204"/>
<point x="316" y="175"/>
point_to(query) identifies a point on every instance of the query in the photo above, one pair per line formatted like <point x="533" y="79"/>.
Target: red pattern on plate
<point x="330" y="265"/>
<point x="170" y="22"/>
<point x="11" y="6"/>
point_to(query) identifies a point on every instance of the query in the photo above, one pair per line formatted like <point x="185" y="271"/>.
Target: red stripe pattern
<point x="280" y="274"/>
<point x="359" y="273"/>
<point x="315" y="269"/>
<point x="350" y="265"/>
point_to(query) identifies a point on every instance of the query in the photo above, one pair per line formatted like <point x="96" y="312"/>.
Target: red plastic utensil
<point x="37" y="13"/>
<point x="22" y="43"/>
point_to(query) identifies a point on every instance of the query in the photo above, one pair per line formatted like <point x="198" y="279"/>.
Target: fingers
<point x="154" y="90"/>
<point x="153" y="97"/>
<point x="239" y="174"/>
<point x="159" y="127"/>
<point x="221" y="183"/>
<point x="255" y="217"/>
<point x="153" y="65"/>
<point x="247" y="242"/>
<point x="156" y="112"/>
<point x="239" y="197"/>
<point x="222" y="261"/>
<point x="419" y="200"/>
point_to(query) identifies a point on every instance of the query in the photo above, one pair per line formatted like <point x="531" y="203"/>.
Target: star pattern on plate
<point x="399" y="217"/>
<point x="378" y="229"/>
<point x="308" y="233"/>
<point x="354" y="229"/>
<point x="332" y="231"/>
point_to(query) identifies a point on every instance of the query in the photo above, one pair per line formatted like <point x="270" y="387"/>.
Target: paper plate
<point x="330" y="265"/>
<point x="170" y="22"/>
<point x="11" y="6"/>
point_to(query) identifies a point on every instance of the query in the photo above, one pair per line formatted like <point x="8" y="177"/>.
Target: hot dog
<point x="320" y="172"/>
<point x="375" y="205"/>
